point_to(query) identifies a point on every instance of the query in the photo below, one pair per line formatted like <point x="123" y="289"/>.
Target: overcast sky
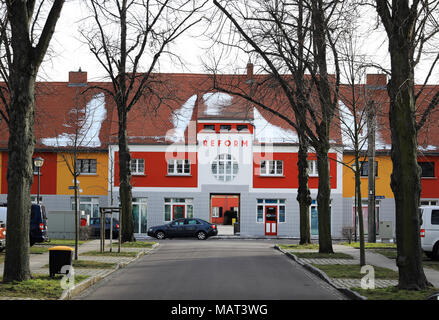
<point x="70" y="54"/>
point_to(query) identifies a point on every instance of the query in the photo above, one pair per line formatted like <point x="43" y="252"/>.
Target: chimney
<point x="249" y="78"/>
<point x="376" y="81"/>
<point x="77" y="78"/>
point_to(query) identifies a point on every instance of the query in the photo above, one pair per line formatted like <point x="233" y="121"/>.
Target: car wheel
<point x="201" y="235"/>
<point x="160" y="235"/>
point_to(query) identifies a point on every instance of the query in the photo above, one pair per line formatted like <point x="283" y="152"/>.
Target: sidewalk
<point x="372" y="258"/>
<point x="39" y="264"/>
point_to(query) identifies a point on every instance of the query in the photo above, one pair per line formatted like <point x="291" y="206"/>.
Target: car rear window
<point x="435" y="217"/>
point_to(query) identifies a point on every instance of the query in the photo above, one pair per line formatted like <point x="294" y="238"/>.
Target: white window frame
<point x="185" y="164"/>
<point x="188" y="207"/>
<point x="312" y="168"/>
<point x="227" y="161"/>
<point x="137" y="166"/>
<point x="279" y="203"/>
<point x="269" y="165"/>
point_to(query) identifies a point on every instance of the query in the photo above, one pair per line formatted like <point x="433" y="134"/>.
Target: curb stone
<point x="82" y="286"/>
<point x="345" y="291"/>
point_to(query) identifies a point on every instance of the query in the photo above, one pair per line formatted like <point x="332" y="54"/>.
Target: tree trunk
<point x="125" y="182"/>
<point x="303" y="193"/>
<point x="323" y="201"/>
<point x="19" y="177"/>
<point x="359" y="210"/>
<point x="405" y="178"/>
<point x="371" y="124"/>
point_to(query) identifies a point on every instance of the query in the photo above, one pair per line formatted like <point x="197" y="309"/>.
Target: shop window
<point x="427" y="169"/>
<point x="278" y="203"/>
<point x="89" y="205"/>
<point x="176" y="208"/>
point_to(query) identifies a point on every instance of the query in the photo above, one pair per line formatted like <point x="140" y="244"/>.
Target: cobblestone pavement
<point x="356" y="283"/>
<point x="340" y="282"/>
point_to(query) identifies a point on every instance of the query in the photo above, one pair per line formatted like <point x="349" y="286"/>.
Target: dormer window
<point x="209" y="127"/>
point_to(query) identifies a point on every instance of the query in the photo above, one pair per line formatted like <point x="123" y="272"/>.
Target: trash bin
<point x="58" y="257"/>
<point x="236" y="228"/>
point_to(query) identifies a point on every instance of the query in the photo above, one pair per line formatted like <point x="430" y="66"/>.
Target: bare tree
<point x="127" y="39"/>
<point x="297" y="38"/>
<point x="410" y="27"/>
<point x="25" y="36"/>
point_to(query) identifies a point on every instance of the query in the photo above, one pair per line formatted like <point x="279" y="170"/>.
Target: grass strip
<point x="86" y="264"/>
<point x="39" y="287"/>
<point x="135" y="244"/>
<point x="370" y="245"/>
<point x="313" y="246"/>
<point x="344" y="271"/>
<point x="111" y="254"/>
<point x="317" y="255"/>
<point x="392" y="293"/>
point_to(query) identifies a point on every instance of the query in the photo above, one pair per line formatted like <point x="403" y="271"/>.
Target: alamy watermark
<point x="368" y="281"/>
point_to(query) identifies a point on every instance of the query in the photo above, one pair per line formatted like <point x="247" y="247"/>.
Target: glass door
<point x="178" y="212"/>
<point x="270" y="221"/>
<point x="140" y="215"/>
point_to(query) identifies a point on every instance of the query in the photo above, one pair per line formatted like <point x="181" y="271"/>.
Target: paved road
<point x="214" y="269"/>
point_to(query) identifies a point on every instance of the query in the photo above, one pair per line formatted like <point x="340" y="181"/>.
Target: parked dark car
<point x="38" y="224"/>
<point x="95" y="224"/>
<point x="189" y="227"/>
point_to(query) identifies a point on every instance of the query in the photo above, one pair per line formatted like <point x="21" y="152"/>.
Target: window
<point x="242" y="127"/>
<point x="137" y="166"/>
<point x="428" y="202"/>
<point x="179" y="167"/>
<point x="178" y="208"/>
<point x="89" y="205"/>
<point x="209" y="127"/>
<point x="280" y="209"/>
<point x="225" y="127"/>
<point x="86" y="166"/>
<point x="192" y="221"/>
<point x="215" y="212"/>
<point x="272" y="168"/>
<point x="435" y="217"/>
<point x="364" y="168"/>
<point x="427" y="169"/>
<point x="224" y="167"/>
<point x="312" y="168"/>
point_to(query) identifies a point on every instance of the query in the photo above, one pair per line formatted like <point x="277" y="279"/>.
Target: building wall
<point x="382" y="181"/>
<point x="91" y="184"/>
<point x="48" y="174"/>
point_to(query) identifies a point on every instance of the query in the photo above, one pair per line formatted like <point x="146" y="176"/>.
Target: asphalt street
<point x="184" y="269"/>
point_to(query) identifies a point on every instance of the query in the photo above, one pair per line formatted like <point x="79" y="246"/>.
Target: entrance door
<point x="270" y="221"/>
<point x="177" y="212"/>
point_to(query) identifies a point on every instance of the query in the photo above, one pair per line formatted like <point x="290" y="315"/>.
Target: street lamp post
<point x="38" y="163"/>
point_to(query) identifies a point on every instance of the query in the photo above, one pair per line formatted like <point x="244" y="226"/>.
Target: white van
<point x="3" y="211"/>
<point x="430" y="231"/>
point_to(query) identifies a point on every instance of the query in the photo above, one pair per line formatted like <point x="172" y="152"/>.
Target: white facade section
<point x="238" y="146"/>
